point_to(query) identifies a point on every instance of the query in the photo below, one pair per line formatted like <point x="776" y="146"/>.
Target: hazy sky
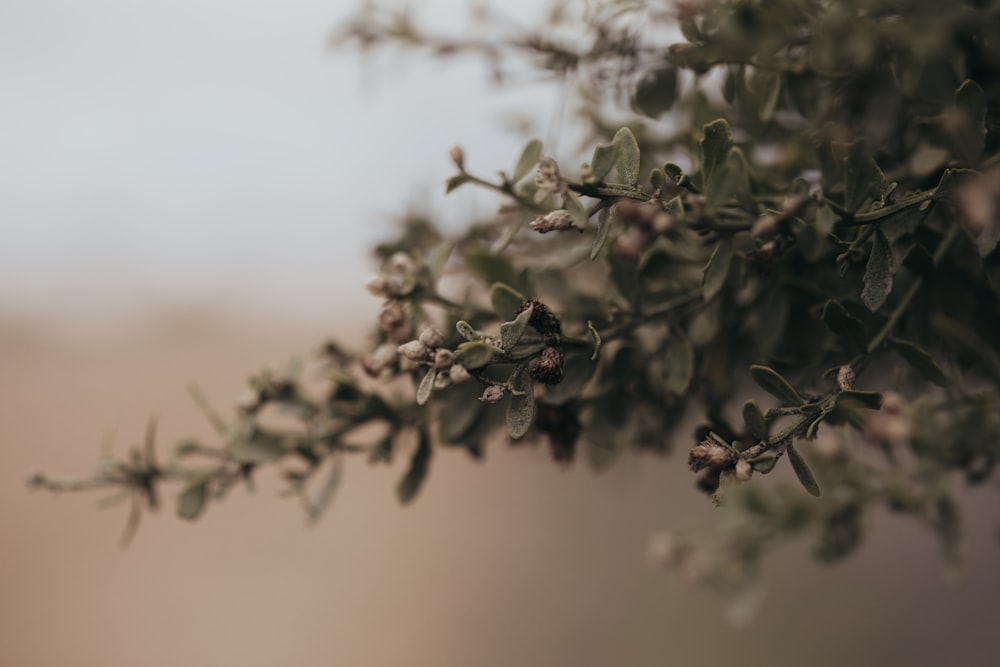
<point x="218" y="153"/>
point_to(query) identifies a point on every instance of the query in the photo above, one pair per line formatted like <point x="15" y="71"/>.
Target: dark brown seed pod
<point x="547" y="369"/>
<point x="542" y="318"/>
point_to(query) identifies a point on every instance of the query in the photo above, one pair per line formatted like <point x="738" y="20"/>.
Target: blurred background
<point x="189" y="194"/>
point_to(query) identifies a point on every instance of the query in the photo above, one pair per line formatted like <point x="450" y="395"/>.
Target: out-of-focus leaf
<point x="871" y="400"/>
<point x="603" y="227"/>
<point x="455" y="182"/>
<point x="754" y="420"/>
<point x="603" y="160"/>
<point x="715" y="147"/>
<point x="845" y="326"/>
<point x="248" y="444"/>
<point x="408" y="487"/>
<point x="326" y="492"/>
<point x="717" y="270"/>
<point x="920" y="360"/>
<point x="625" y="277"/>
<point x="656" y="92"/>
<point x="506" y="300"/>
<point x="493" y="268"/>
<point x="521" y="409"/>
<point x="802" y="470"/>
<point x="678" y="365"/>
<point x="970" y="134"/>
<point x="529" y="158"/>
<point x="460" y="410"/>
<point x="879" y="273"/>
<point x="775" y="384"/>
<point x="861" y="175"/>
<point x="191" y="501"/>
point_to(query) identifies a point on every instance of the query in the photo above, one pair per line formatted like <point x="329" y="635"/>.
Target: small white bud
<point x="443" y="359"/>
<point x="458" y="157"/>
<point x="555" y="221"/>
<point x="744" y="471"/>
<point x="432" y="337"/>
<point x="414" y="350"/>
<point x="492" y="394"/>
<point x="458" y="374"/>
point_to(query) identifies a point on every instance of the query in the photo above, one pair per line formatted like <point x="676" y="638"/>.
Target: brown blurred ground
<point x="510" y="562"/>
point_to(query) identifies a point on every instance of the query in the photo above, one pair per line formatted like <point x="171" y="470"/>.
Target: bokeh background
<point x="188" y="194"/>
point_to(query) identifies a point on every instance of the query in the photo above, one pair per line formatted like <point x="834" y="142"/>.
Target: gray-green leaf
<point x="529" y="158"/>
<point x="656" y="92"/>
<point x="715" y="147"/>
<point x="506" y="300"/>
<point x="511" y="332"/>
<point x="678" y="366"/>
<point x="627" y="157"/>
<point x="474" y="355"/>
<point x="603" y="227"/>
<point x="754" y="420"/>
<point x="717" y="269"/>
<point x="521" y="409"/>
<point x="191" y="502"/>
<point x="427" y="383"/>
<point x="775" y="384"/>
<point x="802" y="471"/>
<point x="417" y="472"/>
<point x="920" y="360"/>
<point x="879" y="273"/>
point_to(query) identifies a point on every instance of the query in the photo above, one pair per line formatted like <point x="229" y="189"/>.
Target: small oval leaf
<point x="802" y="471"/>
<point x="879" y="273"/>
<point x="511" y="332"/>
<point x="521" y="409"/>
<point x="754" y="420"/>
<point x="529" y="158"/>
<point x="474" y="355"/>
<point x="408" y="487"/>
<point x="775" y="384"/>
<point x="427" y="384"/>
<point x="191" y="502"/>
<point x="506" y="300"/>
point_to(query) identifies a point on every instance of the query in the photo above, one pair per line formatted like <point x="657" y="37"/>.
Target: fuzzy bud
<point x="414" y="350"/>
<point x="744" y="471"/>
<point x="383" y="356"/>
<point x="548" y="178"/>
<point x="443" y="359"/>
<point x="547" y="369"/>
<point x="845" y="377"/>
<point x="432" y="337"/>
<point x="492" y="394"/>
<point x="554" y="221"/>
<point x="458" y="374"/>
<point x="458" y="157"/>
<point x="711" y="455"/>
<point x="395" y="320"/>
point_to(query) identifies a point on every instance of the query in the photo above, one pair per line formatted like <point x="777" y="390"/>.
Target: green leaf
<point x="506" y="300"/>
<point x="678" y="366"/>
<point x="845" y="326"/>
<point x="511" y="332"/>
<point x="656" y="92"/>
<point x="627" y="157"/>
<point x="715" y="147"/>
<point x="329" y="488"/>
<point x="529" y="158"/>
<point x="455" y="182"/>
<point x="191" y="501"/>
<point x="408" y="487"/>
<point x="460" y="411"/>
<point x="773" y="383"/>
<point x="861" y="175"/>
<point x="596" y="338"/>
<point x="603" y="160"/>
<point x="717" y="270"/>
<point x="754" y="420"/>
<point x="521" y="409"/>
<point x="249" y="444"/>
<point x="625" y="277"/>
<point x="920" y="360"/>
<point x="427" y="383"/>
<point x="879" y="273"/>
<point x="573" y="204"/>
<point x="802" y="470"/>
<point x="474" y="355"/>
<point x="603" y="227"/>
<point x="871" y="400"/>
<point x="493" y="268"/>
<point x="731" y="180"/>
<point x="764" y="464"/>
<point x="658" y="179"/>
<point x="466" y="331"/>
<point x="970" y="135"/>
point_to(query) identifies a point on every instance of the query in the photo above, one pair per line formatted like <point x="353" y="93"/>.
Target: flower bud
<point x="554" y="221"/>
<point x="744" y="471"/>
<point x="414" y="350"/>
<point x="458" y="374"/>
<point x="845" y="377"/>
<point x="711" y="455"/>
<point x="443" y="359"/>
<point x="492" y="394"/>
<point x="432" y="337"/>
<point x="458" y="157"/>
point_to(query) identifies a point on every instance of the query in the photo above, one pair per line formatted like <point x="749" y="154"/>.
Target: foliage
<point x="792" y="237"/>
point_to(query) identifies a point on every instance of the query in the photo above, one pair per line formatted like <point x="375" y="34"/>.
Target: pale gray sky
<point x="162" y="153"/>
